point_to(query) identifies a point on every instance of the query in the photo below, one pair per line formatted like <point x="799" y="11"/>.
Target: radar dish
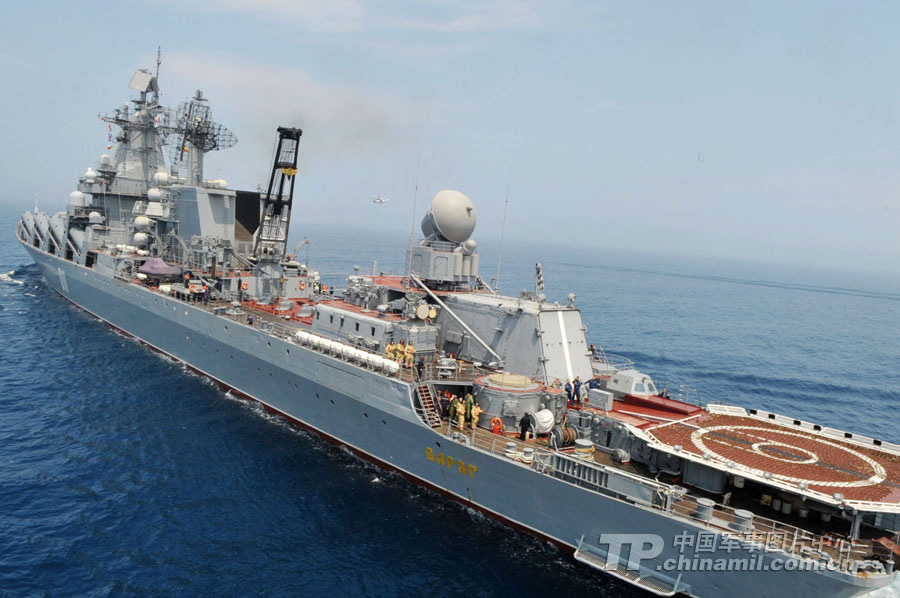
<point x="452" y="216"/>
<point x="198" y="132"/>
<point x="142" y="81"/>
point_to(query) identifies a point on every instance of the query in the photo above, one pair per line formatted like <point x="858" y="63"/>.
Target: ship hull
<point x="373" y="416"/>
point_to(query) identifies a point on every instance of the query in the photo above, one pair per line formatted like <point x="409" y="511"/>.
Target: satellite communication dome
<point x="451" y="215"/>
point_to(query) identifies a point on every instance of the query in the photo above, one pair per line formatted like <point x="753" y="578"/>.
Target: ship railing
<point x="680" y="392"/>
<point x="768" y="535"/>
<point x="464" y="372"/>
<point x="418" y="408"/>
<point x="581" y="472"/>
<point x="85" y="211"/>
<point x="732" y="525"/>
<point x="604" y="363"/>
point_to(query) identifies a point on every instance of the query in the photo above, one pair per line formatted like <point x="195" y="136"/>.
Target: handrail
<point x="680" y="392"/>
<point x="774" y="535"/>
<point x="467" y="373"/>
<point x="609" y="362"/>
<point x="793" y="540"/>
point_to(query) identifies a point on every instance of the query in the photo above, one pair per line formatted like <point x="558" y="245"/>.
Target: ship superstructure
<point x="574" y="445"/>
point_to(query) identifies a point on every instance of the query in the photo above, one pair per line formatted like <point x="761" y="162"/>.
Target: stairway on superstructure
<point x="431" y="411"/>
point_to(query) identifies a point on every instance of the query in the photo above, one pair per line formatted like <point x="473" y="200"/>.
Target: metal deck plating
<point x="814" y="462"/>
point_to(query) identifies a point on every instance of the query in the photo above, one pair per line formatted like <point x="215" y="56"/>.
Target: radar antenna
<point x="272" y="237"/>
<point x="198" y="134"/>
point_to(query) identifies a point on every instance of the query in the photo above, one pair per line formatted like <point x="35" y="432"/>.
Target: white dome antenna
<point x="447" y="257"/>
<point x="451" y="217"/>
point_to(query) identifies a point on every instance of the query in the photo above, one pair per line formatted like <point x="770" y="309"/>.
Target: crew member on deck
<point x="420" y="367"/>
<point x="569" y="391"/>
<point x="460" y="414"/>
<point x="453" y="407"/>
<point x="526" y="432"/>
<point x="389" y="351"/>
<point x="444" y="401"/>
<point x="476" y="413"/>
<point x="576" y="390"/>
<point x="400" y="352"/>
<point x="470" y="402"/>
<point x="410" y="354"/>
<point x="593" y="351"/>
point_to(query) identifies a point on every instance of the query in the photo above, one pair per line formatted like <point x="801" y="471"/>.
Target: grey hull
<point x="373" y="415"/>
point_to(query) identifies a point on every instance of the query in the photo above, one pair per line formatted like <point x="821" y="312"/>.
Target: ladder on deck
<point x="431" y="411"/>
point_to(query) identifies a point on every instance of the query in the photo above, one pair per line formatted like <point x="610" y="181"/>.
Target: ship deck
<point x="811" y="461"/>
<point x="801" y="458"/>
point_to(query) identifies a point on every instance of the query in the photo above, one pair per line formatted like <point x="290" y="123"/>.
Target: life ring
<point x="325" y="289"/>
<point x="244" y="286"/>
<point x="302" y="286"/>
<point x="497" y="426"/>
<point x="193" y="288"/>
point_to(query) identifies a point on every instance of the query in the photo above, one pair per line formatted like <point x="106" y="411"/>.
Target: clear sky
<point x="763" y="130"/>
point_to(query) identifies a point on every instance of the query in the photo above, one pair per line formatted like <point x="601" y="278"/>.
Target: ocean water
<point x="123" y="474"/>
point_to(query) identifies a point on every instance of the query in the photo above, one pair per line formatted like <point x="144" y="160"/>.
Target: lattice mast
<point x="271" y="241"/>
<point x="197" y="135"/>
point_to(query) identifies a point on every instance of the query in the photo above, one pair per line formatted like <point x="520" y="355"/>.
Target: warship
<point x="502" y="403"/>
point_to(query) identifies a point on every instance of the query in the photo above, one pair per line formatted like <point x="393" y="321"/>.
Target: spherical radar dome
<point x="452" y="215"/>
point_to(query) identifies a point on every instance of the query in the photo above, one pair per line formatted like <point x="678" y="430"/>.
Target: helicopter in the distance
<point x="380" y="199"/>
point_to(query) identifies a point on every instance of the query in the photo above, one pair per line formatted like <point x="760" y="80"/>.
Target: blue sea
<point x="123" y="474"/>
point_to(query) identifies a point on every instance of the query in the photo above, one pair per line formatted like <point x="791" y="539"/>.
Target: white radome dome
<point x="452" y="215"/>
<point x="76" y="198"/>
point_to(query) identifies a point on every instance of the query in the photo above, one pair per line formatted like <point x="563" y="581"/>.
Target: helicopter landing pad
<point x="809" y="461"/>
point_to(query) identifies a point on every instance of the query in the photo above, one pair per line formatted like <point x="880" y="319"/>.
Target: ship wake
<point x="8" y="279"/>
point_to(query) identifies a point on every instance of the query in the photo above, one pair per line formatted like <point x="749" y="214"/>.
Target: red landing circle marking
<point x="878" y="471"/>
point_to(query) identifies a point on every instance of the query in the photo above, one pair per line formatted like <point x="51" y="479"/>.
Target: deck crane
<point x="271" y="240"/>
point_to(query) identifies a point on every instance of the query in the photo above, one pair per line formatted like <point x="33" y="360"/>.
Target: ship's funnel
<point x="451" y="217"/>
